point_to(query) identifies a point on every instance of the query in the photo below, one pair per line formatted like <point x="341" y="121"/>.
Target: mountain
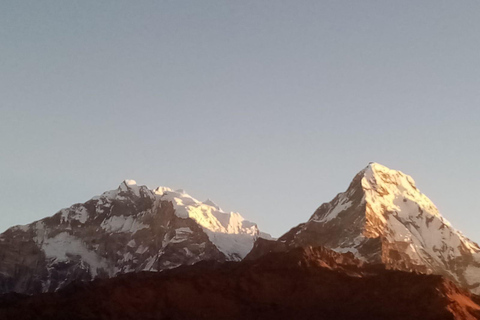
<point x="129" y="229"/>
<point x="301" y="283"/>
<point x="383" y="218"/>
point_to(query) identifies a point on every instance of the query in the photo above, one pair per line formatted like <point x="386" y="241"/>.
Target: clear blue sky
<point x="267" y="107"/>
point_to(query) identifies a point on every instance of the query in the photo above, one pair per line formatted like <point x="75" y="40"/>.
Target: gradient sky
<point x="269" y="108"/>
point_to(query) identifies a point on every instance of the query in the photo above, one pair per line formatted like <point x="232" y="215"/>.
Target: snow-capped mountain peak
<point x="161" y="190"/>
<point x="394" y="197"/>
<point x="129" y="182"/>
<point x="230" y="232"/>
<point x="384" y="218"/>
<point x="131" y="228"/>
<point x="130" y="186"/>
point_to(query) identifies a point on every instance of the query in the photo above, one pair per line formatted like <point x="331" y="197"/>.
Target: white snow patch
<point x="80" y="214"/>
<point x="130" y="182"/>
<point x="181" y="234"/>
<point x="64" y="245"/>
<point x="472" y="275"/>
<point x="229" y="232"/>
<point x="161" y="190"/>
<point x="210" y="203"/>
<point x="122" y="224"/>
<point x="265" y="235"/>
<point x="141" y="249"/>
<point x="232" y="245"/>
<point x="110" y="195"/>
<point x="149" y="263"/>
<point x="183" y="230"/>
<point x="342" y="205"/>
<point x="127" y="257"/>
<point x="23" y="228"/>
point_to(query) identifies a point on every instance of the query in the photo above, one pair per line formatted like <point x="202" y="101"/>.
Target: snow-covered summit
<point x="230" y="232"/>
<point x="384" y="218"/>
<point x="128" y="229"/>
<point x="212" y="204"/>
<point x="161" y="190"/>
<point x="392" y="197"/>
<point x="130" y="182"/>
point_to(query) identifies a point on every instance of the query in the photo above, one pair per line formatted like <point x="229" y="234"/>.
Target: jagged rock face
<point x="129" y="229"/>
<point x="384" y="218"/>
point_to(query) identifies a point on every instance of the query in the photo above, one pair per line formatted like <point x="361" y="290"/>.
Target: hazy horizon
<point x="268" y="108"/>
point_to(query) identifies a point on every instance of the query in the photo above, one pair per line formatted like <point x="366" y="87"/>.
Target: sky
<point x="269" y="108"/>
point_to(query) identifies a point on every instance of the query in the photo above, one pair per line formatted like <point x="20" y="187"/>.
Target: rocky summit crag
<point x="129" y="229"/>
<point x="383" y="218"/>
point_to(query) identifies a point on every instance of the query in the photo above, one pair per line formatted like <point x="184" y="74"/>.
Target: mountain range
<point x="382" y="219"/>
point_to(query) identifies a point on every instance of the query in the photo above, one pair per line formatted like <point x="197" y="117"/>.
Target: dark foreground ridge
<point x="302" y="283"/>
